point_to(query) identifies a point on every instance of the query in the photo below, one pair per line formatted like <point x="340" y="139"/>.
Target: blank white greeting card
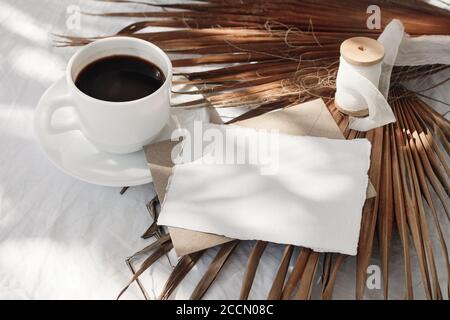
<point x="305" y="191"/>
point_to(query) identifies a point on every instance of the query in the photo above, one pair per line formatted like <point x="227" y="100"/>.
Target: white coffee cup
<point x="116" y="127"/>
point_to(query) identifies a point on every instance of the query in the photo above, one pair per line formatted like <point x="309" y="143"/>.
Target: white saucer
<point x="76" y="156"/>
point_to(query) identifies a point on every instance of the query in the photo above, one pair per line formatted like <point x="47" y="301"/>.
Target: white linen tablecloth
<point x="61" y="238"/>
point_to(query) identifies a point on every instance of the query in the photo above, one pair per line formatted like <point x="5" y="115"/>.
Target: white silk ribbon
<point x="359" y="88"/>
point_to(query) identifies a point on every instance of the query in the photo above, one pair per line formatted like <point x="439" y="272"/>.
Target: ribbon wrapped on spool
<point x="364" y="56"/>
<point x="357" y="81"/>
<point x="363" y="78"/>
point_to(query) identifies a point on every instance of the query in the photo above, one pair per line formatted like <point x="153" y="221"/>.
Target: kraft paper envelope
<point x="310" y="118"/>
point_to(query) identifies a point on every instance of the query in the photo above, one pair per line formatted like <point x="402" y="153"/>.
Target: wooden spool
<point x="360" y="51"/>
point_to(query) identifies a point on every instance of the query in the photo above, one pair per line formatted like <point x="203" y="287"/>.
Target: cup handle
<point x="61" y="102"/>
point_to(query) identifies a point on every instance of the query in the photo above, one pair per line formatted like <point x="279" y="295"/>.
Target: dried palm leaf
<point x="184" y="265"/>
<point x="296" y="274"/>
<point x="277" y="287"/>
<point x="369" y="215"/>
<point x="123" y="190"/>
<point x="213" y="270"/>
<point x="252" y="265"/>
<point x="151" y="231"/>
<point x="271" y="55"/>
<point x="307" y="279"/>
<point x="385" y="218"/>
<point x="160" y="248"/>
<point x="140" y="285"/>
<point x="328" y="283"/>
<point x="400" y="216"/>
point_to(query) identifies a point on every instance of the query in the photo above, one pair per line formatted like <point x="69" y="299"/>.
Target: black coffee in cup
<point x="120" y="78"/>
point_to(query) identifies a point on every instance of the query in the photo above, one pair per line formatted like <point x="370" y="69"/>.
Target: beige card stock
<point x="311" y="118"/>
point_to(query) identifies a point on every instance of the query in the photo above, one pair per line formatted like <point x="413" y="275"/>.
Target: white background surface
<point x="62" y="238"/>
